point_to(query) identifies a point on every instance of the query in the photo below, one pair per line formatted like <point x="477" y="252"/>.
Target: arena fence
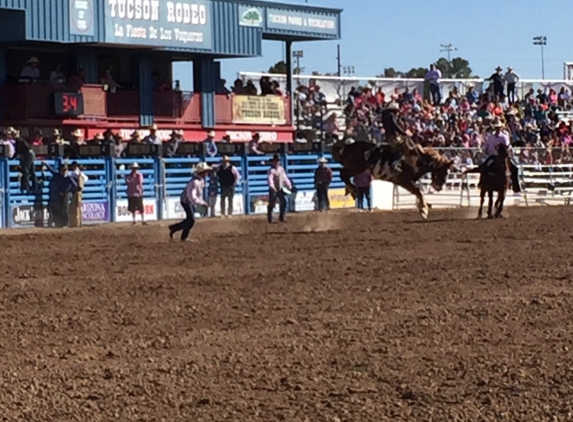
<point x="547" y="176"/>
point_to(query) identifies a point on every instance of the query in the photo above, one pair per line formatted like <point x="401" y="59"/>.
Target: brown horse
<point x="359" y="156"/>
<point x="494" y="178"/>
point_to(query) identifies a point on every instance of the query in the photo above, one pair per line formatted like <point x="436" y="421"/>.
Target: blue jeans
<point x="185" y="225"/>
<point x="273" y="198"/>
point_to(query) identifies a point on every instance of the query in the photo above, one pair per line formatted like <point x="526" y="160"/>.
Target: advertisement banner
<point x="250" y="16"/>
<point x="260" y="203"/>
<point x="82" y="18"/>
<point x="339" y="200"/>
<point x="123" y="216"/>
<point x="311" y="22"/>
<point x="267" y="110"/>
<point x="25" y="216"/>
<point x="159" y="23"/>
<point x="304" y="201"/>
<point x="95" y="212"/>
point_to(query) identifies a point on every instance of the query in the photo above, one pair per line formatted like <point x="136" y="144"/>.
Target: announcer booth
<point x="114" y="64"/>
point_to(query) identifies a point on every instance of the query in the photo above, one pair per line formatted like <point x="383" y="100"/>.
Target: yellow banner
<point x="267" y="110"/>
<point x="339" y="200"/>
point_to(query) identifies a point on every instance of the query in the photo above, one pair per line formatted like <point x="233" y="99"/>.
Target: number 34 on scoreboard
<point x="68" y="103"/>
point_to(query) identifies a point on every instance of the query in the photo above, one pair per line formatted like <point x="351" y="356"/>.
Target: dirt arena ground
<point x="340" y="317"/>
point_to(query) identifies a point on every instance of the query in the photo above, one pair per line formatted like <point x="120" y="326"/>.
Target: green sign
<point x="250" y="16"/>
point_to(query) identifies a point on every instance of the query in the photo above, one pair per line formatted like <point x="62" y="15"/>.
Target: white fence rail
<point x="336" y="88"/>
<point x="541" y="185"/>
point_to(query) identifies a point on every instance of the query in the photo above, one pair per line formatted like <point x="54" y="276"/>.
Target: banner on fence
<point x="304" y="201"/>
<point x="267" y="110"/>
<point x="122" y="215"/>
<point x="338" y="199"/>
<point x="25" y="215"/>
<point x="260" y="203"/>
<point x="95" y="212"/>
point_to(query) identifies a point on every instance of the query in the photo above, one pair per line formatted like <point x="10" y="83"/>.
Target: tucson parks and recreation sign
<point x="160" y="23"/>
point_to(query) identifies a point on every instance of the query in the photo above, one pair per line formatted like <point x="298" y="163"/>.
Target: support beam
<point x="206" y="77"/>
<point x="289" y="84"/>
<point x="145" y="91"/>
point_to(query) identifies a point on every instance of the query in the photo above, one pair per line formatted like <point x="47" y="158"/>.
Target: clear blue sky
<point x="407" y="33"/>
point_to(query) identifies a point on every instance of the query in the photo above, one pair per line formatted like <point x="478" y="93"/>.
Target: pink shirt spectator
<point x="278" y="179"/>
<point x="363" y="180"/>
<point x="134" y="182"/>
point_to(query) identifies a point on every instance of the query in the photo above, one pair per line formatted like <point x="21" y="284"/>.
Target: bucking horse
<point x="359" y="156"/>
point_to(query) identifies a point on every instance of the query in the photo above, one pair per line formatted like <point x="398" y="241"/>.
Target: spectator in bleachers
<point x="254" y="144"/>
<point x="173" y="143"/>
<point x="433" y="77"/>
<point x="136" y="138"/>
<point x="31" y="71"/>
<point x="78" y="79"/>
<point x="57" y="75"/>
<point x="210" y="145"/>
<point x="238" y="87"/>
<point x="222" y="89"/>
<point x="153" y="138"/>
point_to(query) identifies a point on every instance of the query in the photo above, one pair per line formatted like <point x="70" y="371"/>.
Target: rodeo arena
<point x="281" y="247"/>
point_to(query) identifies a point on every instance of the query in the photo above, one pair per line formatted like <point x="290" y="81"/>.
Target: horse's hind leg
<point x="490" y="204"/>
<point x="423" y="207"/>
<point x="499" y="204"/>
<point x="345" y="176"/>
<point x="481" y="201"/>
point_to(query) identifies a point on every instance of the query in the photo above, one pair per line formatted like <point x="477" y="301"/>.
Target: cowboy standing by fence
<point x="279" y="187"/>
<point x="134" y="182"/>
<point x="322" y="180"/>
<point x="191" y="197"/>
<point x="76" y="203"/>
<point x="61" y="186"/>
<point x="229" y="178"/>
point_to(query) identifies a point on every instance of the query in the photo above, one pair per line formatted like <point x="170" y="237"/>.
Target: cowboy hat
<point x="392" y="106"/>
<point x="177" y="133"/>
<point x="33" y="60"/>
<point x="99" y="137"/>
<point x="226" y="158"/>
<point x="153" y="127"/>
<point x="11" y="131"/>
<point x="202" y="168"/>
<point x="276" y="157"/>
<point x="211" y="133"/>
<point x="135" y="134"/>
<point x="498" y="68"/>
<point x="78" y="133"/>
<point x="134" y="166"/>
<point x="322" y="160"/>
<point x="56" y="132"/>
<point x="509" y="68"/>
<point x="497" y="124"/>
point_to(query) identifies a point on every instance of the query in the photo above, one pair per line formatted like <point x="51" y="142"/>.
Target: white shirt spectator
<point x="30" y="72"/>
<point x="492" y="142"/>
<point x="511" y="77"/>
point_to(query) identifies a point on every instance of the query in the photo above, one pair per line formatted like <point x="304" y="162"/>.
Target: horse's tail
<point x="336" y="151"/>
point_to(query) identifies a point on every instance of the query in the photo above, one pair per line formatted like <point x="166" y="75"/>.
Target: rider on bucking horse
<point x="499" y="136"/>
<point x="396" y="136"/>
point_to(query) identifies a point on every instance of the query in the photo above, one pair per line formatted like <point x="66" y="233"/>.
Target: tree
<point x="252" y="16"/>
<point x="278" y="68"/>
<point x="458" y="68"/>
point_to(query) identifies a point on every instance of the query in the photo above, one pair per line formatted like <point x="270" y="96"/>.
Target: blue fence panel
<point x="151" y="188"/>
<point x="96" y="207"/>
<point x="257" y="185"/>
<point x="3" y="194"/>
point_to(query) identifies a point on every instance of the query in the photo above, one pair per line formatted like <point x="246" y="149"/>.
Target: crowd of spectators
<point x="539" y="123"/>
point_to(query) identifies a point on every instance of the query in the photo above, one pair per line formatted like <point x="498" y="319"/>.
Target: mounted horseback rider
<point x="499" y="136"/>
<point x="397" y="138"/>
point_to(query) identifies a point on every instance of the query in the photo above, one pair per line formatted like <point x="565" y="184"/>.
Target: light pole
<point x="541" y="41"/>
<point x="448" y="48"/>
<point x="298" y="54"/>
